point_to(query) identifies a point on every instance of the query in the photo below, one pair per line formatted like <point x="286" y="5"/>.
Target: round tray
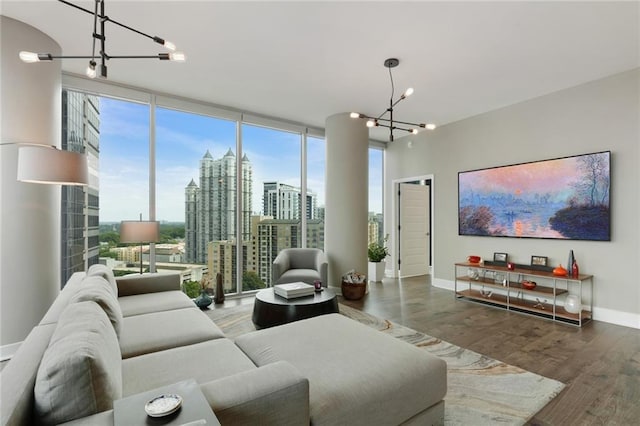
<point x="163" y="405"/>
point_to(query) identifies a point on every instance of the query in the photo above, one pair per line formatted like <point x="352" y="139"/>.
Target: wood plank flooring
<point x="599" y="363"/>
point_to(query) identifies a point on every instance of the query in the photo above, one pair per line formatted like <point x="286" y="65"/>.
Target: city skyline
<point x="181" y="141"/>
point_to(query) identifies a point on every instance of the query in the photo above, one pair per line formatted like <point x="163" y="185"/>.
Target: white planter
<point x="376" y="271"/>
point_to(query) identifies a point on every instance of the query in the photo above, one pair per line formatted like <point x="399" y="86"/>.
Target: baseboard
<point x="626" y="319"/>
<point x="8" y="351"/>
<point x="611" y="316"/>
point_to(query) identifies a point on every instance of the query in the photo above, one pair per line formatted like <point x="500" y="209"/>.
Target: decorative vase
<point x="571" y="259"/>
<point x="572" y="304"/>
<point x="203" y="301"/>
<point x="219" y="296"/>
<point x="575" y="271"/>
<point x="354" y="291"/>
<point x="560" y="271"/>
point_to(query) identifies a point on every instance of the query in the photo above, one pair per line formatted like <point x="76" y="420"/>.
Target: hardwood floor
<point x="599" y="363"/>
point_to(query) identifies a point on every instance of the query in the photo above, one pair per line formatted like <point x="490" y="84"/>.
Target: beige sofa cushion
<point x="204" y="362"/>
<point x="139" y="304"/>
<point x="105" y="272"/>
<point x="143" y="334"/>
<point x="98" y="290"/>
<point x="81" y="371"/>
<point x="353" y="370"/>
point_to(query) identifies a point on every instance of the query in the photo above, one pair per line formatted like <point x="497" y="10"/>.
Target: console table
<point x="500" y="287"/>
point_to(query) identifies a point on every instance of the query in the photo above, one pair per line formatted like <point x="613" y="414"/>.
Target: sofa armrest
<point x="280" y="265"/>
<point x="322" y="266"/>
<point x="129" y="285"/>
<point x="274" y="394"/>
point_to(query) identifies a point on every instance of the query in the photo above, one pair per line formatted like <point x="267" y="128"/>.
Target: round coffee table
<point x="270" y="309"/>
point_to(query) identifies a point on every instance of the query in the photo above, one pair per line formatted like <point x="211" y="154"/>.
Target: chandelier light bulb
<point x="169" y="45"/>
<point x="29" y="57"/>
<point x="371" y="123"/>
<point x="354" y="115"/>
<point x="177" y="56"/>
<point x="430" y="126"/>
<point x="414" y="131"/>
<point x="408" y="92"/>
<point x="91" y="70"/>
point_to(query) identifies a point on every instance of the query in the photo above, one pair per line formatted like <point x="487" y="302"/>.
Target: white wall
<point x="29" y="213"/>
<point x="597" y="116"/>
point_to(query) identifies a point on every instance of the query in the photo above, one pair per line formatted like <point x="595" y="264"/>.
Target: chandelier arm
<point x="104" y="17"/>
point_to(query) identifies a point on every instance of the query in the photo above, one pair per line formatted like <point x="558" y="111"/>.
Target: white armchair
<point x="300" y="264"/>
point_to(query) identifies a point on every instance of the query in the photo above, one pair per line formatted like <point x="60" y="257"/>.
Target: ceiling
<point x="304" y="61"/>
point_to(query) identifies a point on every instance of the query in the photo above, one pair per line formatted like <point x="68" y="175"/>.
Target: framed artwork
<point x="539" y="260"/>
<point x="500" y="257"/>
<point x="563" y="198"/>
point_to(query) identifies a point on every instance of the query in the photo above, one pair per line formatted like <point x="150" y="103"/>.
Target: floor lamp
<point x="140" y="231"/>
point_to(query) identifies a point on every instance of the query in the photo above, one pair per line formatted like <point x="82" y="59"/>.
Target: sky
<point x="182" y="139"/>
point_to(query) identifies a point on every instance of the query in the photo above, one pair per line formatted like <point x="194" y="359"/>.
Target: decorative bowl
<point x="474" y="259"/>
<point x="572" y="304"/>
<point x="528" y="285"/>
<point x="560" y="271"/>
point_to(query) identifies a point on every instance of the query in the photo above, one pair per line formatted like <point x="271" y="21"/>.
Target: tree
<point x="251" y="281"/>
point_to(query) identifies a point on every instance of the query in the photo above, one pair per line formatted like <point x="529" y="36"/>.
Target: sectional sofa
<point x="104" y="339"/>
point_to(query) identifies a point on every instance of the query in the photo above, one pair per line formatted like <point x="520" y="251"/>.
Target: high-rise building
<point x="80" y="245"/>
<point x="277" y="234"/>
<point x="210" y="209"/>
<point x="284" y="201"/>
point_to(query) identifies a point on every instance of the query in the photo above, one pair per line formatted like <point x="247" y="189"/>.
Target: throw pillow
<point x="97" y="289"/>
<point x="81" y="371"/>
<point x="106" y="273"/>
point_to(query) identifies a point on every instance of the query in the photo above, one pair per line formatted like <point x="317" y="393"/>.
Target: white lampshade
<point x="49" y="165"/>
<point x="139" y="231"/>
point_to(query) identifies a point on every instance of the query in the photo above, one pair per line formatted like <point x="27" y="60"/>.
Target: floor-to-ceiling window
<point x="230" y="191"/>
<point x="276" y="200"/>
<point x="123" y="178"/>
<point x="376" y="202"/>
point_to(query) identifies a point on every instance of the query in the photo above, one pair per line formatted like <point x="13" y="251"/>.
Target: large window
<point x="376" y="202"/>
<point x="230" y="191"/>
<point x="277" y="198"/>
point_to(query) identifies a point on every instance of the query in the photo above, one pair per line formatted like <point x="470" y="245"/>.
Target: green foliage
<point x="376" y="252"/>
<point x="191" y="288"/>
<point x="110" y="237"/>
<point x="251" y="281"/>
<point x="171" y="233"/>
<point x="106" y="252"/>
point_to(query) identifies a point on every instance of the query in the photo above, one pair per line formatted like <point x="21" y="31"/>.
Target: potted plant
<point x="376" y="253"/>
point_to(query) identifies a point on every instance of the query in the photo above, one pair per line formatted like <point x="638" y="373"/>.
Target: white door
<point x="414" y="229"/>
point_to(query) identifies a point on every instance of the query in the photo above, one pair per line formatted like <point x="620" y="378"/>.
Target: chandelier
<point x="390" y="123"/>
<point x="99" y="21"/>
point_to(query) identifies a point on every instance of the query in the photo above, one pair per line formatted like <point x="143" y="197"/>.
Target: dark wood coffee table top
<point x="270" y="309"/>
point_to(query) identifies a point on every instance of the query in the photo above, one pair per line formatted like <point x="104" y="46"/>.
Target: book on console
<point x="292" y="290"/>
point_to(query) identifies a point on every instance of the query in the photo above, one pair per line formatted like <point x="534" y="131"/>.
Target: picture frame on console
<point x="539" y="260"/>
<point x="500" y="258"/>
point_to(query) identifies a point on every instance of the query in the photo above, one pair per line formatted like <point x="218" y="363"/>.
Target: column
<point x="347" y="196"/>
<point x="29" y="213"/>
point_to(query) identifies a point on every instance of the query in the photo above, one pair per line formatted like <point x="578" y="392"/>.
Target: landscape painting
<point x="563" y="198"/>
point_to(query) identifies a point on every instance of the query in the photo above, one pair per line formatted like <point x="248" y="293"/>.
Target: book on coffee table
<point x="292" y="290"/>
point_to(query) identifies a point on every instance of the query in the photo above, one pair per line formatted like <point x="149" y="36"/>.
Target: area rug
<point x="480" y="391"/>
